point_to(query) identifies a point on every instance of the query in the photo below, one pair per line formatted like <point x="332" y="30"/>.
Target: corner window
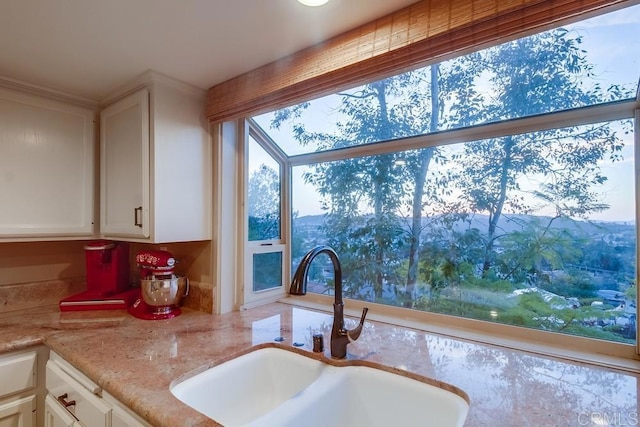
<point x="498" y="186"/>
<point x="264" y="264"/>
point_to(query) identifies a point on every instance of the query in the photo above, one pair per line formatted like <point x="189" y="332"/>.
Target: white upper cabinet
<point x="47" y="168"/>
<point x="156" y="164"/>
<point x="124" y="167"/>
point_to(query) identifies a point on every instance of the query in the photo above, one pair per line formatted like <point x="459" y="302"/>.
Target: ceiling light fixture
<point x="313" y="3"/>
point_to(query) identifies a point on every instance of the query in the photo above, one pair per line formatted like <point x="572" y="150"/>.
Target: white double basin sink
<point x="277" y="387"/>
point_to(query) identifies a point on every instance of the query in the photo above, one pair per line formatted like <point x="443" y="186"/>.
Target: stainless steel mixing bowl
<point x="164" y="293"/>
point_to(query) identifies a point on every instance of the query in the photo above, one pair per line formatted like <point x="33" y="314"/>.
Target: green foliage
<point x="301" y="239"/>
<point x="267" y="271"/>
<point x="454" y="308"/>
<point x="497" y="285"/>
<point x="357" y="241"/>
<point x="632" y="292"/>
<point x="573" y="283"/>
<point x="538" y="74"/>
<point x="264" y="204"/>
<point x="374" y="205"/>
<point x="600" y="254"/>
<point x="526" y="253"/>
<point x="606" y="333"/>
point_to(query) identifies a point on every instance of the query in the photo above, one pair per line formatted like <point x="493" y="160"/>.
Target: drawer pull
<point x="63" y="400"/>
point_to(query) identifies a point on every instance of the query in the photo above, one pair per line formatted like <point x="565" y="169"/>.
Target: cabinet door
<point x="124" y="167"/>
<point x="18" y="372"/>
<point x="46" y="168"/>
<point x="55" y="415"/>
<point x="18" y="413"/>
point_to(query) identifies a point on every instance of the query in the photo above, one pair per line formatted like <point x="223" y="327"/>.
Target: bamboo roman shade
<point x="427" y="31"/>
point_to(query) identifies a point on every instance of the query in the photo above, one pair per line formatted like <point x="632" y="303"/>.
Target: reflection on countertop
<point x="136" y="361"/>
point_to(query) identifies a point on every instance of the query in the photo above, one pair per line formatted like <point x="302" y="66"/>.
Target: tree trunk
<point x="379" y="179"/>
<point x="496" y="213"/>
<point x="420" y="178"/>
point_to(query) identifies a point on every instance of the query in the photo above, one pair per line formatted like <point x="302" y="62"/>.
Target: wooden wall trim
<point x="427" y="31"/>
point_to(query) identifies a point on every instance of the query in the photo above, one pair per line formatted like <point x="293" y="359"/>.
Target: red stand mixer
<point x="107" y="265"/>
<point x="160" y="289"/>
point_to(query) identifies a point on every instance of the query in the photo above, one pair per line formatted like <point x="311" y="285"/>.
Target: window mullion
<point x="574" y="117"/>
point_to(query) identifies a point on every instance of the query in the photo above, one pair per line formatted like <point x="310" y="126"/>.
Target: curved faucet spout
<point x="299" y="281"/>
<point x="340" y="336"/>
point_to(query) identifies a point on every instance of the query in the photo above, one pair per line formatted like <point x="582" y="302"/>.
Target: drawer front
<point x="55" y="415"/>
<point x="88" y="408"/>
<point x="18" y="373"/>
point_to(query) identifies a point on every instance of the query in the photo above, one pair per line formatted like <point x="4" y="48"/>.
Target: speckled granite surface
<point x="136" y="361"/>
<point x="22" y="296"/>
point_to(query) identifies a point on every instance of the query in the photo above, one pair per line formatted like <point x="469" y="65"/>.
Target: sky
<point x="610" y="41"/>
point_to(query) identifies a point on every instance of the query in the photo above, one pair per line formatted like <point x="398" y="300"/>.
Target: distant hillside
<point x="310" y="220"/>
<point x="510" y="223"/>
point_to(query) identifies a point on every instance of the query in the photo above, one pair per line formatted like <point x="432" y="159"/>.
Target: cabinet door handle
<point x="63" y="400"/>
<point x="137" y="222"/>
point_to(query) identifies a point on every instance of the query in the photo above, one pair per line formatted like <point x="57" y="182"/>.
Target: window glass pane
<point x="535" y="229"/>
<point x="267" y="271"/>
<point x="263" y="194"/>
<point x="582" y="64"/>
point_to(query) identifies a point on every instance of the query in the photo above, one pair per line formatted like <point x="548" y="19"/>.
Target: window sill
<point x="568" y="347"/>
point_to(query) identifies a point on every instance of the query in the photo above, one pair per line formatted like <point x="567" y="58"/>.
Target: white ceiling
<point x="88" y="48"/>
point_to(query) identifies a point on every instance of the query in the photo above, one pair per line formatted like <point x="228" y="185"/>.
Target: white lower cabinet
<point x="68" y="393"/>
<point x="74" y="400"/>
<point x="19" y="413"/>
<point x="70" y="398"/>
<point x="56" y="415"/>
<point x="19" y="388"/>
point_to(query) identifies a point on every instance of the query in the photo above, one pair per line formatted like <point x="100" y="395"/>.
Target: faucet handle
<point x="355" y="333"/>
<point x="365" y="310"/>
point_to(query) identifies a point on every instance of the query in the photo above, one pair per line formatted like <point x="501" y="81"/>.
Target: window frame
<point x="557" y="344"/>
<point x="251" y="298"/>
<point x="590" y="350"/>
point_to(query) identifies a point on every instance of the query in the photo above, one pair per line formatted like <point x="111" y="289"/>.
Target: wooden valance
<point x="426" y="32"/>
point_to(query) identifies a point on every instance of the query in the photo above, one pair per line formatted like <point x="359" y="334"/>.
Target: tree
<point x="376" y="205"/>
<point x="388" y="185"/>
<point x="361" y="194"/>
<point x="538" y="74"/>
<point x="527" y="253"/>
<point x="264" y="204"/>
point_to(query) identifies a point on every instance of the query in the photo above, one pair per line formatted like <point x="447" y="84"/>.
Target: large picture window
<point x="497" y="186"/>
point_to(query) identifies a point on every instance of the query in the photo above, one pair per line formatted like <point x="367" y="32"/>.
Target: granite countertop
<point x="137" y="360"/>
